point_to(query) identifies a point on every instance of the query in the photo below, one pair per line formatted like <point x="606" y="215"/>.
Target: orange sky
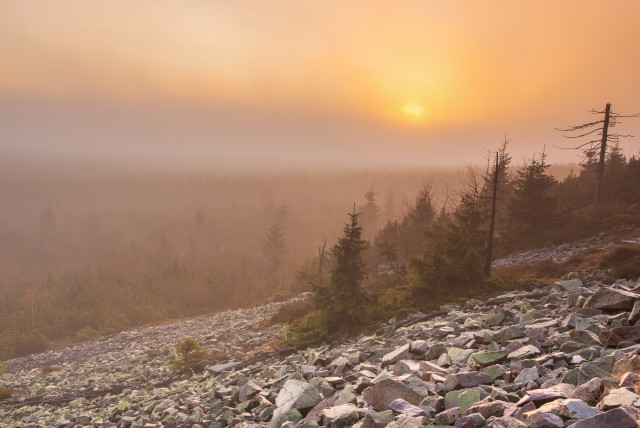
<point x="333" y="81"/>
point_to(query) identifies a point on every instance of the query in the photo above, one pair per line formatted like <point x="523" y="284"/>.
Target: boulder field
<point x="563" y="355"/>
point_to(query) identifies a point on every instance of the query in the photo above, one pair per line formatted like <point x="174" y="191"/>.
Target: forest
<point x="86" y="252"/>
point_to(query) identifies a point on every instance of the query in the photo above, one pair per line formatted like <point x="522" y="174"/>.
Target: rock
<point x="377" y="420"/>
<point x="622" y="417"/>
<point x="585" y="336"/>
<point x="561" y="390"/>
<point x="619" y="397"/>
<point x="401" y="406"/>
<point x="384" y="392"/>
<point x="401" y="353"/>
<point x="296" y="395"/>
<point x="448" y="417"/>
<point x="609" y="298"/>
<point x="569" y="408"/>
<point x="589" y="391"/>
<point x="459" y="356"/>
<point x="635" y="313"/>
<point x="466" y="380"/>
<point x="474" y="420"/>
<point x="613" y="337"/>
<point x="406" y="422"/>
<point x="627" y="364"/>
<point x="484" y="359"/>
<point x="419" y="347"/>
<point x="406" y="366"/>
<point x="538" y="419"/>
<point x="436" y="350"/>
<point x="340" y="416"/>
<point x="527" y="351"/>
<point x="527" y="375"/>
<point x="509" y="333"/>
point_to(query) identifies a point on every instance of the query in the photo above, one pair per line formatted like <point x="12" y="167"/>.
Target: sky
<point x="312" y="83"/>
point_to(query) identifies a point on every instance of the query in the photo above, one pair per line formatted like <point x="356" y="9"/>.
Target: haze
<point x="308" y="84"/>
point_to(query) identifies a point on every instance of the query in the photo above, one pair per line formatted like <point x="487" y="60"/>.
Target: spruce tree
<point x="342" y="302"/>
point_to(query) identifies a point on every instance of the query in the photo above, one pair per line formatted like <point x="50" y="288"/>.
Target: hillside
<point x="554" y="356"/>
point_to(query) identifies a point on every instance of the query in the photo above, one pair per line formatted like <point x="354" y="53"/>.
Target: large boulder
<point x="295" y="394"/>
<point x="610" y="298"/>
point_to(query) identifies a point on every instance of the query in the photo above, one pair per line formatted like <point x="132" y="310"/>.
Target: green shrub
<point x="32" y="343"/>
<point x="86" y="333"/>
<point x="5" y="393"/>
<point x="190" y="355"/>
<point x="308" y="332"/>
<point x="291" y="312"/>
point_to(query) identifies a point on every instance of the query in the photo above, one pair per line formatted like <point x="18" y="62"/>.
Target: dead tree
<point x="492" y="220"/>
<point x="598" y="145"/>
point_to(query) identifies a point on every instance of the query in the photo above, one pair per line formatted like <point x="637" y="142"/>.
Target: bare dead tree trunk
<point x="494" y="197"/>
<point x="603" y="153"/>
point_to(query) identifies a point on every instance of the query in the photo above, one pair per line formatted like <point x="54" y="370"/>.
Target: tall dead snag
<point x="597" y="146"/>
<point x="492" y="221"/>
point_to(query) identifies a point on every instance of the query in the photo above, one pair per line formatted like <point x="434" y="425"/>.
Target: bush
<point x="624" y="261"/>
<point x="291" y="312"/>
<point x="3" y="369"/>
<point x="190" y="355"/>
<point x="307" y="333"/>
<point x="5" y="393"/>
<point x="46" y="370"/>
<point x="86" y="333"/>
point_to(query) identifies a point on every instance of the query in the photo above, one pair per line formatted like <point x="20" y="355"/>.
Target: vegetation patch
<point x="5" y="393"/>
<point x="190" y="356"/>
<point x="623" y="261"/>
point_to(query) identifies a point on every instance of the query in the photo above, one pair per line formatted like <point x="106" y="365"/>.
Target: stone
<point x="459" y="356"/>
<point x="614" y="336"/>
<point x="294" y="394"/>
<point x="401" y="353"/>
<point x="635" y="313"/>
<point x="495" y="371"/>
<point x="401" y="406"/>
<point x="619" y="397"/>
<point x="527" y="375"/>
<point x="509" y="333"/>
<point x="406" y="366"/>
<point x="628" y="380"/>
<point x="469" y="397"/>
<point x="466" y="380"/>
<point x="626" y="364"/>
<point x="585" y="336"/>
<point x="419" y="347"/>
<point x="377" y="419"/>
<point x="589" y="391"/>
<point x="562" y="390"/>
<point x="340" y="416"/>
<point x="538" y="419"/>
<point x="448" y="417"/>
<point x="380" y="395"/>
<point x="622" y="417"/>
<point x="484" y="359"/>
<point x="609" y="298"/>
<point x="406" y="422"/>
<point x="436" y="350"/>
<point x="569" y="408"/>
<point x="583" y="374"/>
<point x="494" y="317"/>
<point x="346" y="397"/>
<point x="527" y="351"/>
<point x="474" y="420"/>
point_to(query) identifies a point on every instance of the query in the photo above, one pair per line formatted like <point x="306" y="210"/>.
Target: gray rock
<point x="622" y="417"/>
<point x="609" y="298"/>
<point x="401" y="353"/>
<point x="380" y="395"/>
<point x="401" y="406"/>
<point x="466" y="380"/>
<point x="619" y="397"/>
<point x="538" y="419"/>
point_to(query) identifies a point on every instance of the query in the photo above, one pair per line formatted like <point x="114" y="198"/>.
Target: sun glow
<point x="414" y="111"/>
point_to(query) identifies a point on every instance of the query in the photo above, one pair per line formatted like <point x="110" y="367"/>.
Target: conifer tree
<point x="342" y="302"/>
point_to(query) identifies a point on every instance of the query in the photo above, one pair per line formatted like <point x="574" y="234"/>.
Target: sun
<point x="414" y="111"/>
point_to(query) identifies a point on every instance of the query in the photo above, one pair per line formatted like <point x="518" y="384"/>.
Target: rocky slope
<point x="563" y="355"/>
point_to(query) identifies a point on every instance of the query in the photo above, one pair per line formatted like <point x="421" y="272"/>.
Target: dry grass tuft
<point x="46" y="370"/>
